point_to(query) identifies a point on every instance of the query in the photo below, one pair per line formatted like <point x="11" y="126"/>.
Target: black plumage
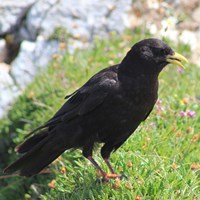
<point x="106" y="109"/>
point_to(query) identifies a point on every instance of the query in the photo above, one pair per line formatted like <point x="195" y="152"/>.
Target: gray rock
<point x="83" y="18"/>
<point x="196" y="15"/>
<point x="9" y="91"/>
<point x="11" y="13"/>
<point x="8" y="96"/>
<point x="32" y="56"/>
<point x="23" y="69"/>
<point x="34" y="19"/>
<point x="2" y="50"/>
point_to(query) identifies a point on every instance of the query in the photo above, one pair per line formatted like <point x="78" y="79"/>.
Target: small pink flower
<point x="152" y="124"/>
<point x="183" y="114"/>
<point x="191" y="113"/>
<point x="119" y="55"/>
<point x="106" y="49"/>
<point x="159" y="105"/>
<point x="180" y="70"/>
<point x="159" y="108"/>
<point x="162" y="108"/>
<point x="158" y="102"/>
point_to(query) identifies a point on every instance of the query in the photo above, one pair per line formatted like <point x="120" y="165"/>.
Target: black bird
<point x="106" y="109"/>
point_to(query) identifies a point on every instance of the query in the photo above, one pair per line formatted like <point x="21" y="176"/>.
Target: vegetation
<point x="161" y="159"/>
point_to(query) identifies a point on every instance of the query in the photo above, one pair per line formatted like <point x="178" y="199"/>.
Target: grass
<point x="161" y="159"/>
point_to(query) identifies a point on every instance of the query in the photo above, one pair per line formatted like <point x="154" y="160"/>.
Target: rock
<point x="188" y="25"/>
<point x="77" y="18"/>
<point x="118" y="14"/>
<point x="189" y="37"/>
<point x="196" y="15"/>
<point x="196" y="57"/>
<point x="4" y="68"/>
<point x="23" y="69"/>
<point x="8" y="96"/>
<point x="35" y="19"/>
<point x="193" y="40"/>
<point x="187" y="6"/>
<point x="11" y="14"/>
<point x="9" y="91"/>
<point x="196" y="53"/>
<point x="32" y="55"/>
<point x="2" y="50"/>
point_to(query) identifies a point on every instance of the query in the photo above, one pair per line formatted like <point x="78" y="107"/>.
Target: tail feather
<point x="31" y="142"/>
<point x="37" y="158"/>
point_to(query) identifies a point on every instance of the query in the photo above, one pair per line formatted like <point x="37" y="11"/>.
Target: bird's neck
<point x="136" y="75"/>
<point x="141" y="81"/>
<point x="132" y="66"/>
<point x="132" y="71"/>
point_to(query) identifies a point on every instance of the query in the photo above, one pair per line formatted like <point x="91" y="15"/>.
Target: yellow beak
<point x="176" y="58"/>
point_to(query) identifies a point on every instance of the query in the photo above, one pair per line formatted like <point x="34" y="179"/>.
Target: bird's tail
<point x="40" y="150"/>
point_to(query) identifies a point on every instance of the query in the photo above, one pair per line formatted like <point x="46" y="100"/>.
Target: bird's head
<point x="152" y="55"/>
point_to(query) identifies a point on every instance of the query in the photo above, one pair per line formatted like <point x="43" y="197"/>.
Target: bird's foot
<point x="108" y="176"/>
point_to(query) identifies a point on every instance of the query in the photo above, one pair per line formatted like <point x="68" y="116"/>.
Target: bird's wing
<point x="85" y="99"/>
<point x="148" y="113"/>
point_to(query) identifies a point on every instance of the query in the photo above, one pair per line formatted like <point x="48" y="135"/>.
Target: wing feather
<point x="84" y="100"/>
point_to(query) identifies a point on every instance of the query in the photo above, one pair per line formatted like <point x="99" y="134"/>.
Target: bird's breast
<point x="138" y="98"/>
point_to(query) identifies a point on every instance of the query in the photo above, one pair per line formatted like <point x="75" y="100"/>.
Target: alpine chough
<point x="107" y="109"/>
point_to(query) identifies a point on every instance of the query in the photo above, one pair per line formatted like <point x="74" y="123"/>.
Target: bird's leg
<point x="91" y="159"/>
<point x="106" y="176"/>
<point x="87" y="152"/>
<point x="105" y="153"/>
<point x="113" y="174"/>
<point x="109" y="165"/>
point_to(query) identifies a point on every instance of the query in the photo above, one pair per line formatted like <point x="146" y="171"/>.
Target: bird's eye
<point x="144" y="49"/>
<point x="162" y="51"/>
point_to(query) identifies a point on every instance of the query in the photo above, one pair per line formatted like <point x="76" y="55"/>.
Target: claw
<point x="123" y="176"/>
<point x="114" y="176"/>
<point x="107" y="176"/>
